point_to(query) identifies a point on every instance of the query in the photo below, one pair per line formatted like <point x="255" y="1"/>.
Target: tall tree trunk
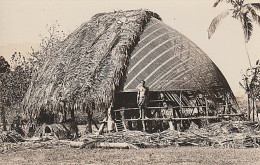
<point x="64" y="113"/>
<point x="257" y="112"/>
<point x="249" y="60"/>
<point x="2" y="108"/>
<point x="72" y="114"/>
<point x="253" y="108"/>
<point x="89" y="126"/>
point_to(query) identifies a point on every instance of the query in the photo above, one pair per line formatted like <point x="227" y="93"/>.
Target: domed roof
<point x="167" y="60"/>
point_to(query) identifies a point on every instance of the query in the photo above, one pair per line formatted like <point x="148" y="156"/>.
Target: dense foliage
<point x="16" y="81"/>
<point x="251" y="85"/>
<point x="4" y="66"/>
<point x="251" y="82"/>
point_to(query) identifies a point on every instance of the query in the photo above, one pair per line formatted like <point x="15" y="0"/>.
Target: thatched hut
<point x="102" y="62"/>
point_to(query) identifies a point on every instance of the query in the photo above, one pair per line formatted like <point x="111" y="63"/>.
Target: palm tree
<point x="245" y="13"/>
<point x="251" y="84"/>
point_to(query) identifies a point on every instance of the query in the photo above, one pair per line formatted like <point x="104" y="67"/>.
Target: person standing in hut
<point x="164" y="105"/>
<point x="142" y="98"/>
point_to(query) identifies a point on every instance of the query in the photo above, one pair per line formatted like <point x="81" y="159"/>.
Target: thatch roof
<point x="114" y="51"/>
<point x="88" y="65"/>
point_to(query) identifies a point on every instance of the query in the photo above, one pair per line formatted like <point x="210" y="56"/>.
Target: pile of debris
<point x="230" y="134"/>
<point x="145" y="140"/>
<point x="222" y="135"/>
<point x="10" y="137"/>
<point x="32" y="144"/>
<point x="45" y="136"/>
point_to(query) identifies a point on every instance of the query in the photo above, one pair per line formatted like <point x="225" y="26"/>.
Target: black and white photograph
<point x="130" y="82"/>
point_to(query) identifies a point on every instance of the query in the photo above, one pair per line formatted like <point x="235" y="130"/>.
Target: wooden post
<point x="180" y="103"/>
<point x="101" y="128"/>
<point x="171" y="126"/>
<point x="207" y="108"/>
<point x="123" y="120"/>
<point x="72" y="114"/>
<point x="143" y="122"/>
<point x="253" y="108"/>
<point x="89" y="122"/>
<point x="110" y="122"/>
<point x="142" y="111"/>
<point x="257" y="114"/>
<point x="64" y="112"/>
<point x="226" y="106"/>
<point x="181" y="109"/>
<point x="248" y="106"/>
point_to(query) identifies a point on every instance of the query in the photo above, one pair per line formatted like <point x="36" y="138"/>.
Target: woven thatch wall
<point x="88" y="64"/>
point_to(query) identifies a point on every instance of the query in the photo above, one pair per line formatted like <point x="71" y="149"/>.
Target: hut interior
<point x="169" y="110"/>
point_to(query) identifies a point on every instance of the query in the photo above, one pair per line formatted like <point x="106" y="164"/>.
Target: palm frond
<point x="254" y="15"/>
<point x="255" y="5"/>
<point x="241" y="85"/>
<point x="247" y="26"/>
<point x="215" y="22"/>
<point x="218" y="1"/>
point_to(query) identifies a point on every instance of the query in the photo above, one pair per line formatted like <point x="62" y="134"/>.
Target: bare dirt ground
<point x="170" y="155"/>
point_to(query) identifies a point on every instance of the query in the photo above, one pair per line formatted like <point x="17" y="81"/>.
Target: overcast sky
<point x="22" y="21"/>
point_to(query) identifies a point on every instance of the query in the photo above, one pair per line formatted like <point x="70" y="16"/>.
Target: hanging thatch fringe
<point x="84" y="71"/>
